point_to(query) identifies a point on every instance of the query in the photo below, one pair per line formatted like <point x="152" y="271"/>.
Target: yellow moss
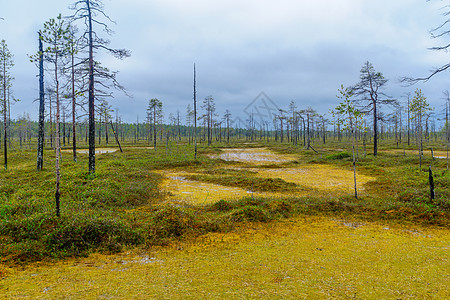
<point x="179" y="189"/>
<point x="310" y="257"/>
<point x="320" y="177"/>
<point x="426" y="152"/>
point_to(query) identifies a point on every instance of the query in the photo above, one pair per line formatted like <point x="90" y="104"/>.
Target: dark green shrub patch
<point x="339" y="155"/>
<point x="250" y="213"/>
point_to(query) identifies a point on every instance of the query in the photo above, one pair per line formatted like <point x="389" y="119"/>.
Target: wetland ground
<point x="259" y="222"/>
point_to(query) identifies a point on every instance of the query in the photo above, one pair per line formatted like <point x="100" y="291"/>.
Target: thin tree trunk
<point x="58" y="142"/>
<point x="195" y="116"/>
<point x="375" y="130"/>
<point x="117" y="138"/>
<point x="431" y="181"/>
<point x="91" y="95"/>
<point x="40" y="148"/>
<point x="5" y="123"/>
<point x="74" y="138"/>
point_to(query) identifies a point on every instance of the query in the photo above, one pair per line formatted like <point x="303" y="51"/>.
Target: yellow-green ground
<point x="324" y="179"/>
<point x="426" y="152"/>
<point x="320" y="178"/>
<point x="300" y="258"/>
<point x="179" y="189"/>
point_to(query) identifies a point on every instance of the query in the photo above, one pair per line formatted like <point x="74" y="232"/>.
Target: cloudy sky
<point x="299" y="50"/>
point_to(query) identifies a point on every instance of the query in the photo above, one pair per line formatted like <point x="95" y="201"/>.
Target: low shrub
<point x="222" y="205"/>
<point x="339" y="155"/>
<point x="170" y="222"/>
<point x="76" y="237"/>
<point x="279" y="208"/>
<point x="250" y="213"/>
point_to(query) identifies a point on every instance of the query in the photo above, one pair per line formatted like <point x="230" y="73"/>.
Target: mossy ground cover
<point x="126" y="206"/>
<point x="299" y="258"/>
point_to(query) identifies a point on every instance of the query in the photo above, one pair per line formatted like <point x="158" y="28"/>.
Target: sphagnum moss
<point x="126" y="191"/>
<point x="299" y="258"/>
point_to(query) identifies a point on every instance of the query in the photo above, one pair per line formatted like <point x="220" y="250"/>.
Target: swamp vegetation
<point x="140" y="202"/>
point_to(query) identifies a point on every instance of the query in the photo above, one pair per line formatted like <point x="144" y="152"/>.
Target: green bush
<point x="44" y="235"/>
<point x="171" y="222"/>
<point x="75" y="237"/>
<point x="250" y="213"/>
<point x="279" y="208"/>
<point x="222" y="205"/>
<point x="339" y="155"/>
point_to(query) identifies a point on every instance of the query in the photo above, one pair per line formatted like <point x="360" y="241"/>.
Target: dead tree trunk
<point x="40" y="148"/>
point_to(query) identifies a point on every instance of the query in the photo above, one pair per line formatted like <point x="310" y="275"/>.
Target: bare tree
<point x="155" y="110"/>
<point x="309" y="115"/>
<point x="6" y="63"/>
<point x="210" y="107"/>
<point x="91" y="12"/>
<point x="369" y="90"/>
<point x="41" y="137"/>
<point x="227" y="119"/>
<point x="195" y="114"/>
<point x="447" y="125"/>
<point x="189" y="122"/>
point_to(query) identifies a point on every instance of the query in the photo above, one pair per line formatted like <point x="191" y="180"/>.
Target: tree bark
<point x="5" y="122"/>
<point x="115" y="135"/>
<point x="195" y="115"/>
<point x="74" y="130"/>
<point x="58" y="143"/>
<point x="91" y="94"/>
<point x="375" y="129"/>
<point x="40" y="150"/>
<point x="430" y="179"/>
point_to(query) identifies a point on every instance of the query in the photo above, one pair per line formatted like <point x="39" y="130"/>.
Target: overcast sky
<point x="299" y="50"/>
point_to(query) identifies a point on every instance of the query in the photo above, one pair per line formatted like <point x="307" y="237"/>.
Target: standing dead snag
<point x="6" y="63"/>
<point x="89" y="11"/>
<point x="155" y="110"/>
<point x="195" y="114"/>
<point x="40" y="150"/>
<point x="431" y="181"/>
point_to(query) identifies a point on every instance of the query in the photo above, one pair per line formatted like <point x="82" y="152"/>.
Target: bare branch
<point x="411" y="81"/>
